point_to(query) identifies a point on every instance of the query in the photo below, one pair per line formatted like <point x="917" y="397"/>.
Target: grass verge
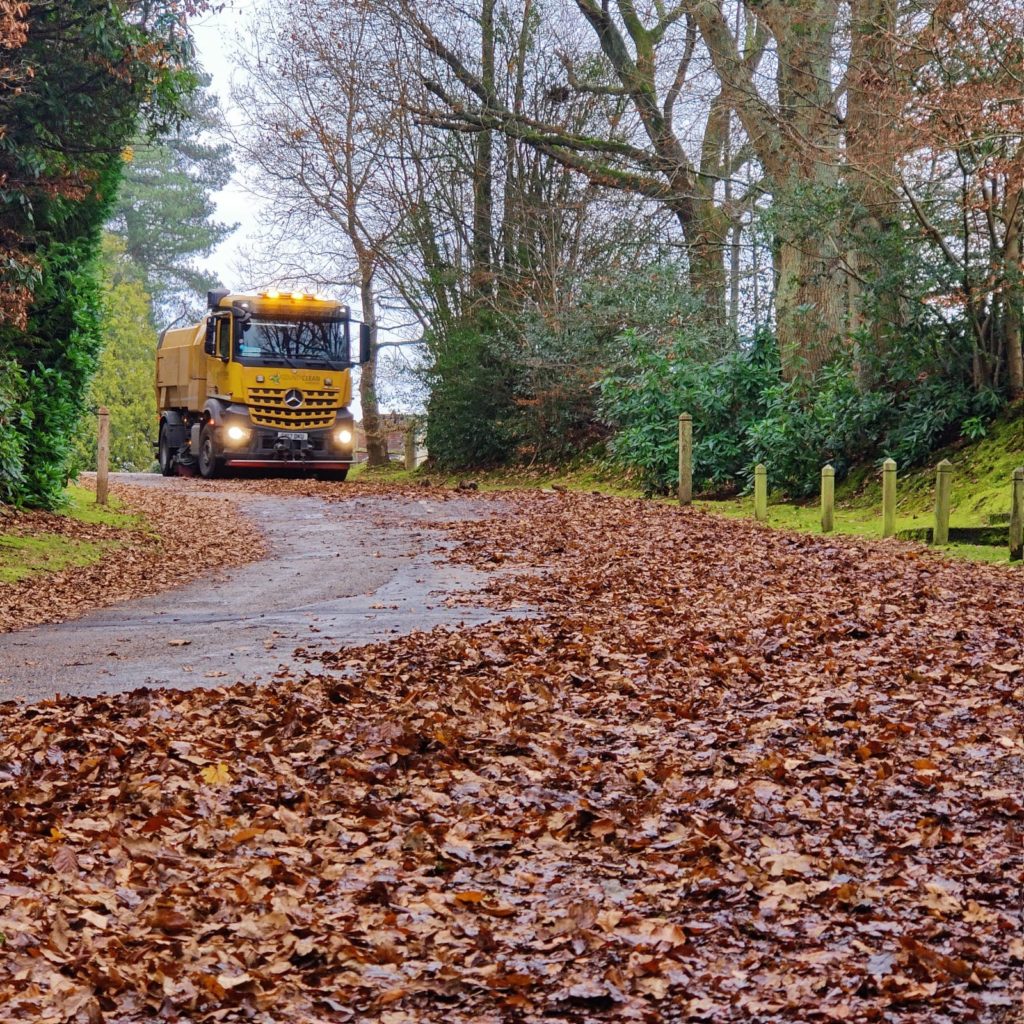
<point x="21" y="557"/>
<point x="856" y="521"/>
<point x="34" y="543"/>
<point x="83" y="508"/>
<point x="982" y="472"/>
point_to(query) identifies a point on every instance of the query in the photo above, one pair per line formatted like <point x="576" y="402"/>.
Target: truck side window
<point x="224" y="337"/>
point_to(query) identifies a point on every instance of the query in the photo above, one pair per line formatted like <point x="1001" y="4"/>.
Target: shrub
<point x="642" y="402"/>
<point x="744" y="413"/>
<point x="512" y="382"/>
<point x="471" y="399"/>
<point x="14" y="421"/>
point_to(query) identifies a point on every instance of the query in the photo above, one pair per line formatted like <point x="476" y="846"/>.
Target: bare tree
<point x="645" y="79"/>
<point x="317" y="132"/>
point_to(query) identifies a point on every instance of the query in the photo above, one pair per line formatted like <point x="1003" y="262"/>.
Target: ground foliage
<point x="744" y="413"/>
<point x="722" y="774"/>
<point x="173" y="544"/>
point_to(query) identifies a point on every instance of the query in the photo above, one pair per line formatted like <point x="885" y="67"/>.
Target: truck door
<point x="223" y="346"/>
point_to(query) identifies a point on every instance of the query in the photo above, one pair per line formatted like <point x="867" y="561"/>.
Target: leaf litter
<point x="176" y="541"/>
<point x="724" y="774"/>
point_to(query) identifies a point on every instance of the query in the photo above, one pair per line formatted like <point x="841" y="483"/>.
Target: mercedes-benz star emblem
<point x="293" y="399"/>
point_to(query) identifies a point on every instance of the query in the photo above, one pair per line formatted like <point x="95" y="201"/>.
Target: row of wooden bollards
<point x="943" y="502"/>
<point x="943" y="480"/>
<point x="943" y="494"/>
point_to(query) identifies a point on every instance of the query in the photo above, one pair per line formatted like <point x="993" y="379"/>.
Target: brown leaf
<point x="171" y="921"/>
<point x="65" y="861"/>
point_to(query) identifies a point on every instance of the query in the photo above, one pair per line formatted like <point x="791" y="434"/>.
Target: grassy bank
<point x="982" y="472"/>
<point x="981" y="489"/>
<point x="32" y="543"/>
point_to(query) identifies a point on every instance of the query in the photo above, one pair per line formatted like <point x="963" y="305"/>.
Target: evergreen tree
<point x="96" y="68"/>
<point x="165" y="212"/>
<point x="124" y="376"/>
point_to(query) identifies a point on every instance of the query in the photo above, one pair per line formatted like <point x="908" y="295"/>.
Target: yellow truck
<point x="264" y="382"/>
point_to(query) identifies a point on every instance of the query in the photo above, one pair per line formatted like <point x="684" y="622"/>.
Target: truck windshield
<point x="308" y="342"/>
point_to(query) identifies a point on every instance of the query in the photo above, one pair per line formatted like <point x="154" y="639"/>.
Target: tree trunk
<point x="735" y="238"/>
<point x="872" y="112"/>
<point x="706" y="241"/>
<point x="705" y="229"/>
<point x="1014" y="294"/>
<point x="483" y="171"/>
<point x="376" y="444"/>
<point x="796" y="138"/>
<point x="809" y="305"/>
<point x="811" y="293"/>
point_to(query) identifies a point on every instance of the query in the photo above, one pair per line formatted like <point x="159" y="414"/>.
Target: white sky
<point x="216" y="38"/>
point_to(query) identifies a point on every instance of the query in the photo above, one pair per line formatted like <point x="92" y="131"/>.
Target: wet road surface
<point x="337" y="574"/>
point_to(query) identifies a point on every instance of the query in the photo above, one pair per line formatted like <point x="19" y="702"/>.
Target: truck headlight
<point x="344" y="436"/>
<point x="238" y="434"/>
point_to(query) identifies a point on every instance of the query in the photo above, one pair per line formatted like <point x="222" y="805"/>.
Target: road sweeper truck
<point x="264" y="382"/>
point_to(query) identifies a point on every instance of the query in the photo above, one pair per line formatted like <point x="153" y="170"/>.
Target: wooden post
<point x="889" y="498"/>
<point x="102" y="455"/>
<point x="761" y="493"/>
<point x="1017" y="516"/>
<point x="943" y="486"/>
<point x="685" y="459"/>
<point x="410" y="446"/>
<point x="828" y="498"/>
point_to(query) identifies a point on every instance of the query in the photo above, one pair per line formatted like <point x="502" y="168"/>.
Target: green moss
<point x="25" y="556"/>
<point x="981" y="489"/>
<point x="981" y="478"/>
<point x="21" y="557"/>
<point x="81" y="505"/>
<point x="853" y="522"/>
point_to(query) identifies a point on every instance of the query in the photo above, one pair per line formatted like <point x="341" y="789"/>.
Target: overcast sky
<point x="217" y="37"/>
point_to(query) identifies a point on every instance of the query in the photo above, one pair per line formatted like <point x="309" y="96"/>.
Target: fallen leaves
<point x="179" y="541"/>
<point x="721" y="775"/>
<point x="216" y="774"/>
<point x="65" y="861"/>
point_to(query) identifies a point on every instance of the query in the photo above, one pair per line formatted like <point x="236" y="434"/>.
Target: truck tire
<point x="209" y="465"/>
<point x="333" y="474"/>
<point x="164" y="454"/>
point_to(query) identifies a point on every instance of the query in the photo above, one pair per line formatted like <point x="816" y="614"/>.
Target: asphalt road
<point x="338" y="575"/>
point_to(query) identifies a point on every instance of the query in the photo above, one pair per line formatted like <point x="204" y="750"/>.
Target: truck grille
<point x="267" y="408"/>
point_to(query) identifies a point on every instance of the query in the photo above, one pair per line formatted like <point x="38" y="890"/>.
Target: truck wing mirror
<point x="364" y="344"/>
<point x="242" y="319"/>
<point x="211" y="338"/>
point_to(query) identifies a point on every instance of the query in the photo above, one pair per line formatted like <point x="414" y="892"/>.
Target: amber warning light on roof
<point x="296" y="296"/>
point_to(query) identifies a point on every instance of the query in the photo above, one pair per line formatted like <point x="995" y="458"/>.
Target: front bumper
<point x="268" y="447"/>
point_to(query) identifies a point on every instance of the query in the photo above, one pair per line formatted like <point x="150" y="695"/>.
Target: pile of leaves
<point x="174" y="542"/>
<point x="722" y="774"/>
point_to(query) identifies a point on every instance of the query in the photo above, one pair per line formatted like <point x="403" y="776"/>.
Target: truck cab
<point x="264" y="382"/>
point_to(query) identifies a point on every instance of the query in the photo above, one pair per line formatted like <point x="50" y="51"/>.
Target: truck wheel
<point x="164" y="454"/>
<point x="209" y="465"/>
<point x="333" y="474"/>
